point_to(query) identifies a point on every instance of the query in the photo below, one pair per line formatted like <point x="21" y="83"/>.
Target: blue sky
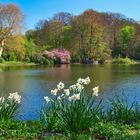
<point x="35" y="10"/>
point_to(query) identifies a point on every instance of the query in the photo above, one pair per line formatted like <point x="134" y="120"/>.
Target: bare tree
<point x="63" y="17"/>
<point x="11" y="22"/>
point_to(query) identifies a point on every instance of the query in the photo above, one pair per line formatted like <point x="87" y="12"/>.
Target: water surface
<point x="35" y="82"/>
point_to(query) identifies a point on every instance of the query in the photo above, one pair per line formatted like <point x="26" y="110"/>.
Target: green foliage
<point x="29" y="50"/>
<point x="12" y="56"/>
<point x="120" y="111"/>
<point x="8" y="109"/>
<point x="49" y="115"/>
<point x="127" y="36"/>
<point x="14" y="48"/>
<point x="112" y="131"/>
<point x="27" y="59"/>
<point x="76" y="58"/>
<point x="111" y="35"/>
<point x="12" y="129"/>
<point x="81" y="137"/>
<point x="40" y="59"/>
<point x="102" y="52"/>
<point x="67" y="36"/>
<point x="2" y="60"/>
<point x="57" y="137"/>
<point x="123" y="61"/>
<point x="79" y="116"/>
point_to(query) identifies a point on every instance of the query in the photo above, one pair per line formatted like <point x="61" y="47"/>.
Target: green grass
<point x="115" y="131"/>
<point x="123" y="61"/>
<point x="12" y="129"/>
<point x="101" y="130"/>
<point x="16" y="63"/>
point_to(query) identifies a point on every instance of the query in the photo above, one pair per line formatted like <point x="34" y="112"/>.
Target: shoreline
<point x="10" y="63"/>
<point x="20" y="63"/>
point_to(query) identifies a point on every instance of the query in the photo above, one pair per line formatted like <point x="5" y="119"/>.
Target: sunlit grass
<point x="16" y="63"/>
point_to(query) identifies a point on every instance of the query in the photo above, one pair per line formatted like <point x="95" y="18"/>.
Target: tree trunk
<point x="1" y="50"/>
<point x="91" y="41"/>
<point x="1" y="47"/>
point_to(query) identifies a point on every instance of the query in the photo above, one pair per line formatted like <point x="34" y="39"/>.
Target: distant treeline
<point x="88" y="36"/>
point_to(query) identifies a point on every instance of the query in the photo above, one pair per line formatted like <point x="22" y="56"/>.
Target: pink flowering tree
<point x="59" y="53"/>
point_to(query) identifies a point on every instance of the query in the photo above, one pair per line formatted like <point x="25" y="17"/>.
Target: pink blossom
<point x="60" y="53"/>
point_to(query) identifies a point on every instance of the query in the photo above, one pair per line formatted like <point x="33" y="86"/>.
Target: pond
<point x="35" y="82"/>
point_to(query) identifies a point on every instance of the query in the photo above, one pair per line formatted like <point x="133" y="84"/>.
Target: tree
<point x="63" y="17"/>
<point x="88" y="30"/>
<point x="14" y="47"/>
<point x="89" y="36"/>
<point x="127" y="35"/>
<point x="11" y="22"/>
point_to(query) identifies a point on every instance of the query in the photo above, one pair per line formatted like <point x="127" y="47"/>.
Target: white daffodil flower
<point x="60" y="86"/>
<point x="95" y="91"/>
<point x="47" y="99"/>
<point x="74" y="97"/>
<point x="67" y="92"/>
<point x="15" y="96"/>
<point x="54" y="92"/>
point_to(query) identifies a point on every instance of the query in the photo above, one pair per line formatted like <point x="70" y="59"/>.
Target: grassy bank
<point x="15" y="63"/>
<point x="126" y="60"/>
<point x="100" y="131"/>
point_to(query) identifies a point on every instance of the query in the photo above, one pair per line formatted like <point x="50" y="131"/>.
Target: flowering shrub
<point x="61" y="54"/>
<point x="70" y="109"/>
<point x="9" y="106"/>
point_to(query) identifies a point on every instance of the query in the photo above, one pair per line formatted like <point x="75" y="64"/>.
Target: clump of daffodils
<point x="85" y="81"/>
<point x="12" y="97"/>
<point x="9" y="106"/>
<point x="72" y="93"/>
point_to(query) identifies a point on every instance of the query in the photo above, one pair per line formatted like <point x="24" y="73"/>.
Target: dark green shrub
<point x="57" y="60"/>
<point x="76" y="58"/>
<point x="27" y="59"/>
<point x="40" y="59"/>
<point x="12" y="57"/>
<point x="46" y="61"/>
